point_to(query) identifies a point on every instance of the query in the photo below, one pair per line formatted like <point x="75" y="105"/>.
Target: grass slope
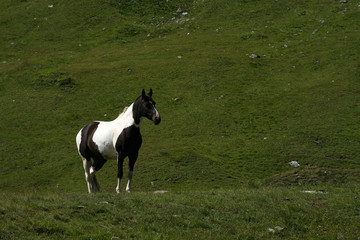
<point x="216" y="214"/>
<point x="239" y="119"/>
<point x="229" y="121"/>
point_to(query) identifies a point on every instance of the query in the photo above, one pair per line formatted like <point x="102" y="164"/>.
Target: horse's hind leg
<point x="87" y="165"/>
<point x="92" y="183"/>
<point x="95" y="184"/>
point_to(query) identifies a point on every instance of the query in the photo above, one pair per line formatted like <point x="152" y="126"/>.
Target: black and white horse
<point x="119" y="139"/>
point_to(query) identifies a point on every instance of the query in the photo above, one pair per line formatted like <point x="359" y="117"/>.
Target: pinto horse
<point x="120" y="138"/>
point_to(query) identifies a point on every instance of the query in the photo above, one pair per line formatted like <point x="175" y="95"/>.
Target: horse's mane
<point x="122" y="113"/>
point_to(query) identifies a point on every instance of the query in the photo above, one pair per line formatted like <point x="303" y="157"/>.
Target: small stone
<point x="314" y="192"/>
<point x="161" y="191"/>
<point x="178" y="99"/>
<point x="253" y="56"/>
<point x="279" y="228"/>
<point x="294" y="164"/>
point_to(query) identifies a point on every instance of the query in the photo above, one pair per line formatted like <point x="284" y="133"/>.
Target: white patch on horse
<point x="128" y="186"/>
<point x="157" y="113"/>
<point x="108" y="132"/>
<point x="118" y="188"/>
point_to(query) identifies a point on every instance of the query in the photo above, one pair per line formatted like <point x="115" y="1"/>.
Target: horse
<point x="117" y="139"/>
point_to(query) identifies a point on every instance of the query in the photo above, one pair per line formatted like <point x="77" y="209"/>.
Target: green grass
<point x="239" y="122"/>
<point x="214" y="214"/>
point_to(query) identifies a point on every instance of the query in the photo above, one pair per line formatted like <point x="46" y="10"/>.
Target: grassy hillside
<point x="243" y="88"/>
<point x="228" y="119"/>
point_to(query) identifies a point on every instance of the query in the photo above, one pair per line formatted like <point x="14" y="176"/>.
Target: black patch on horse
<point x="88" y="149"/>
<point x="129" y="141"/>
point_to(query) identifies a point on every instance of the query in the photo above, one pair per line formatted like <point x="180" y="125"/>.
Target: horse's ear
<point x="143" y="94"/>
<point x="150" y="93"/>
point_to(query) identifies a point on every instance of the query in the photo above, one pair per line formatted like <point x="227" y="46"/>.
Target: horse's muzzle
<point x="156" y="119"/>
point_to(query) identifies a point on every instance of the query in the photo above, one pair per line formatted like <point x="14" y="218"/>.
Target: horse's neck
<point x="126" y="119"/>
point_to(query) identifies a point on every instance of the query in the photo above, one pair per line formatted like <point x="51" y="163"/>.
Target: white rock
<point x="294" y="164"/>
<point x="279" y="228"/>
<point x="161" y="191"/>
<point x="314" y="192"/>
<point x="253" y="56"/>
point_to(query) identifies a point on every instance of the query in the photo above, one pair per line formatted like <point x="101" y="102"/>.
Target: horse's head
<point x="145" y="107"/>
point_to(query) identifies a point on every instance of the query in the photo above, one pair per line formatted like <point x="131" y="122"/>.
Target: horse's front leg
<point x="132" y="160"/>
<point x="120" y="161"/>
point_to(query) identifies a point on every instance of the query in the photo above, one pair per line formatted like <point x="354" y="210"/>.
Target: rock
<point x="279" y="228"/>
<point x="294" y="164"/>
<point x="161" y="191"/>
<point x="178" y="99"/>
<point x="343" y="1"/>
<point x="253" y="56"/>
<point x="314" y="192"/>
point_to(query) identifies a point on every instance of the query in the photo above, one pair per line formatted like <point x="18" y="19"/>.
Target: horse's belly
<point x="108" y="151"/>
